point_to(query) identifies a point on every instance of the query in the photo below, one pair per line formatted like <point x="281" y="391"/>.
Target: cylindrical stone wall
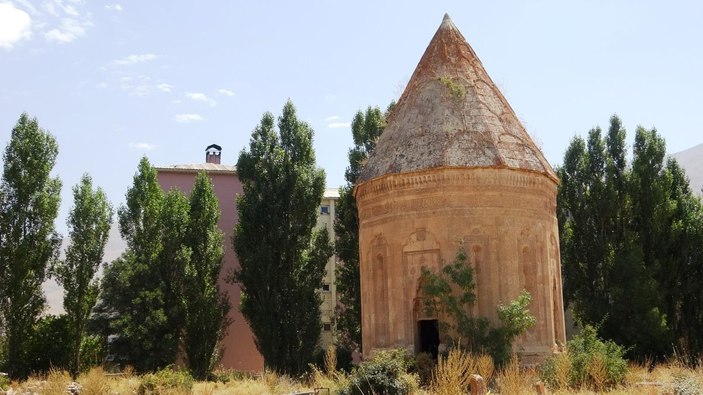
<point x="507" y="221"/>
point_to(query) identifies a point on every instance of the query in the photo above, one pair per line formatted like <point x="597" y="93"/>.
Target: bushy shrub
<point x="4" y="381"/>
<point x="424" y="366"/>
<point x="226" y="375"/>
<point x="46" y="346"/>
<point x="385" y="373"/>
<point x="592" y="362"/>
<point x="166" y="380"/>
<point x="344" y="359"/>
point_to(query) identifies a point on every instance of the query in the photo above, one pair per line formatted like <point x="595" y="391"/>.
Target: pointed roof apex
<point x="451" y="114"/>
<point x="447" y="22"/>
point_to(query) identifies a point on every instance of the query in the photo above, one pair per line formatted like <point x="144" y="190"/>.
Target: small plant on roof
<point x="456" y="90"/>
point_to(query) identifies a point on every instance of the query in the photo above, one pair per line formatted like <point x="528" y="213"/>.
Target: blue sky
<point x="117" y="80"/>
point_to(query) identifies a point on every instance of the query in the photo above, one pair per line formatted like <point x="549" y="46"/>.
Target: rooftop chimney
<point x="212" y="154"/>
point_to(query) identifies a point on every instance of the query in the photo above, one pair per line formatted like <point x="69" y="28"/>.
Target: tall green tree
<point x="29" y="202"/>
<point x="282" y="259"/>
<point x="172" y="263"/>
<point x="206" y="307"/>
<point x="629" y="239"/>
<point x="366" y="129"/>
<point x="89" y="226"/>
<point x="135" y="292"/>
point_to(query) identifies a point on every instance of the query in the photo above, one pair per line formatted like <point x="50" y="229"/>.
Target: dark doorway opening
<point x="429" y="336"/>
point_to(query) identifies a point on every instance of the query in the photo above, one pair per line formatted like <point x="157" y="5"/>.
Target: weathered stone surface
<point x="452" y="114"/>
<point x="446" y="170"/>
<point x="477" y="385"/>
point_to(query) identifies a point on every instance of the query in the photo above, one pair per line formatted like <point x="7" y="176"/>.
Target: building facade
<point x="455" y="166"/>
<point x="328" y="292"/>
<point x="240" y="352"/>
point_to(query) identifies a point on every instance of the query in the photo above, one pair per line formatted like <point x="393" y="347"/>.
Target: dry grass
<point x="56" y="382"/>
<point x="94" y="382"/>
<point x="511" y="380"/>
<point x="485" y="367"/>
<point x="453" y="373"/>
<point x="598" y="371"/>
<point x="331" y="360"/>
<point x="452" y="377"/>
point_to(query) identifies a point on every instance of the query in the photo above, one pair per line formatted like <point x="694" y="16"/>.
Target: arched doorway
<point x="427" y="337"/>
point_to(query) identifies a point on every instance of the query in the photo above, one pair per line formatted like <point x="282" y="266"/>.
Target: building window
<point x="325" y="210"/>
<point x="326" y="327"/>
<point x="325" y="287"/>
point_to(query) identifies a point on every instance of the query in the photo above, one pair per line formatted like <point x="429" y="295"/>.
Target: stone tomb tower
<point x="455" y="163"/>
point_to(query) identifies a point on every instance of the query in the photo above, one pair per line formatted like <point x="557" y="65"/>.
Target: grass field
<point x="670" y="378"/>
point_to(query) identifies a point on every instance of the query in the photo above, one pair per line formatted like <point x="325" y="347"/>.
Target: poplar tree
<point x="89" y="226"/>
<point x="630" y="242"/>
<point x="366" y="129"/>
<point x="282" y="259"/>
<point x="135" y="295"/>
<point x="29" y="202"/>
<point x="206" y="307"/>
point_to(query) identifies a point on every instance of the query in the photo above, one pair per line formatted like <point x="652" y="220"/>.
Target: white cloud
<point x="142" y="146"/>
<point x="195" y="96"/>
<point x="185" y="118"/>
<point x="114" y="7"/>
<point x="332" y="118"/>
<point x="15" y="25"/>
<point x="137" y="84"/>
<point x="102" y="85"/>
<point x="164" y="87"/>
<point x="226" y="92"/>
<point x="337" y="125"/>
<point x="59" y="7"/>
<point x="73" y="23"/>
<point x="28" y="6"/>
<point x="134" y="59"/>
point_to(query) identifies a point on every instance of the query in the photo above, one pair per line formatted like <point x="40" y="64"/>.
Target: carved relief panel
<point x="531" y="260"/>
<point x="476" y="246"/>
<point x="378" y="290"/>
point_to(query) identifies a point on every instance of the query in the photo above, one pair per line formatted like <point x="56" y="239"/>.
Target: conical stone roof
<point x="451" y="114"/>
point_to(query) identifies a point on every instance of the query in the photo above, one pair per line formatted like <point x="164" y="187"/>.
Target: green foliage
<point x="366" y="129"/>
<point x="163" y="292"/>
<point x="424" y="366"/>
<point x="165" y="381"/>
<point x="46" y="348"/>
<point x="29" y="202"/>
<point x="385" y="373"/>
<point x="139" y="294"/>
<point x="282" y="260"/>
<point x="586" y="350"/>
<point x="206" y="308"/>
<point x="88" y="225"/>
<point x="631" y="239"/>
<point x="450" y="294"/>
<point x="93" y="351"/>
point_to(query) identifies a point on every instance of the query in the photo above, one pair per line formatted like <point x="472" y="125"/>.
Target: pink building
<point x="240" y="352"/>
